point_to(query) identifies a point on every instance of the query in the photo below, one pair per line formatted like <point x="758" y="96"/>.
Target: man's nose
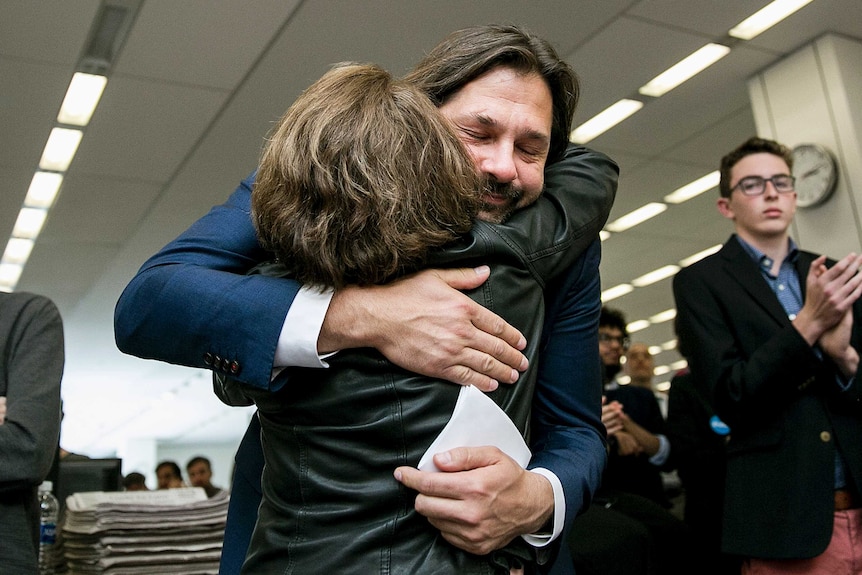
<point x="769" y="189"/>
<point x="499" y="162"/>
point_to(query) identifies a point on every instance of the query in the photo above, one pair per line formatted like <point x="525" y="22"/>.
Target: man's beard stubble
<point x="496" y="213"/>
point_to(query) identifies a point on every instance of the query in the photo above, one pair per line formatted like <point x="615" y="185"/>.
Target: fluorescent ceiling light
<point x="699" y="256"/>
<point x="29" y="223"/>
<point x="60" y="149"/>
<point x="684" y="69"/>
<point x="637" y="325"/>
<point x="605" y="120"/>
<point x="624" y="379"/>
<point x="81" y="99"/>
<point x="17" y="251"/>
<point x="603" y="235"/>
<point x="693" y="189"/>
<point x="678" y="365"/>
<point x="654" y="349"/>
<point x="43" y="190"/>
<point x="661" y="370"/>
<point x="663" y="386"/>
<point x="669" y="345"/>
<point x="636" y="217"/>
<point x="664" y="316"/>
<point x="616" y="291"/>
<point x="9" y="275"/>
<point x="765" y="18"/>
<point x="655" y="275"/>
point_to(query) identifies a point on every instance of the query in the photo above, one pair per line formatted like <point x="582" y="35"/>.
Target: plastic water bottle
<point x="49" y="509"/>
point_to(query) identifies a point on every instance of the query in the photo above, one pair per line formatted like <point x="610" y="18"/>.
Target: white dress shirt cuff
<point x="542" y="539"/>
<point x="297" y="344"/>
<point x="663" y="451"/>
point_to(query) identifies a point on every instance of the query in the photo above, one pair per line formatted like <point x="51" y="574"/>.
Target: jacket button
<point x="208" y="358"/>
<point x="234" y="367"/>
<point x="825" y="436"/>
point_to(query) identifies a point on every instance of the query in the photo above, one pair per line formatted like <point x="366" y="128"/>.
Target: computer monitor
<point x="79" y="475"/>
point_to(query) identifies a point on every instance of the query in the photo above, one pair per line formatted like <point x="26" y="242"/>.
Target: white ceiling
<point x="198" y="84"/>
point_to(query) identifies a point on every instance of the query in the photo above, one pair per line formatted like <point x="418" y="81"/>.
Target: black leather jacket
<point x="333" y="437"/>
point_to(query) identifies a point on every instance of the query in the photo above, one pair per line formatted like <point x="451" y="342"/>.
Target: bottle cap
<point x="46" y="486"/>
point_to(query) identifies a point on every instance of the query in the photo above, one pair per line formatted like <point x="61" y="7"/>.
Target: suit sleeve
<point x="192" y="304"/>
<point x="567" y="435"/>
<point x="585" y="183"/>
<point x="34" y="356"/>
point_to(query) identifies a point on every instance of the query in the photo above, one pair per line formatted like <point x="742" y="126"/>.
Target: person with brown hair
<point x="338" y="197"/>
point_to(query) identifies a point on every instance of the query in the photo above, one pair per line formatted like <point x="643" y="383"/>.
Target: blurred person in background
<point x="200" y="474"/>
<point x="169" y="475"/>
<point x="135" y="481"/>
<point x="32" y="357"/>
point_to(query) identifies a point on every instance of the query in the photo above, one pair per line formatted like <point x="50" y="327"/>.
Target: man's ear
<point x="724" y="208"/>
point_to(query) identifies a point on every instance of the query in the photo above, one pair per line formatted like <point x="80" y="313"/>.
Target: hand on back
<point x="424" y="324"/>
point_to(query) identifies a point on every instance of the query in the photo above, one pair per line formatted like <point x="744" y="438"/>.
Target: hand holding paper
<point x="477" y="421"/>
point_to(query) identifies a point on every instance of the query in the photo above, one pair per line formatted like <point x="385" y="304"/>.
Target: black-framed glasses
<point x="755" y="185"/>
<point x="620" y="339"/>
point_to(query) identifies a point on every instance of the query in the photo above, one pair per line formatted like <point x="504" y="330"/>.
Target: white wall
<point x="813" y="96"/>
<point x="220" y="456"/>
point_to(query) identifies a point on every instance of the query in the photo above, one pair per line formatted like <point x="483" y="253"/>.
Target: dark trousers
<point x="245" y="496"/>
<point x="626" y="534"/>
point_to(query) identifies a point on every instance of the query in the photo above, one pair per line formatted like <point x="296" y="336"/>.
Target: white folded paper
<point x="477" y="421"/>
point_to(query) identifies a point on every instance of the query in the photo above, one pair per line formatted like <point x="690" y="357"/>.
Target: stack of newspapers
<point x="144" y="532"/>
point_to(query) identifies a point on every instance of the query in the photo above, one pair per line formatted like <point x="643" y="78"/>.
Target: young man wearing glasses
<point x="773" y="335"/>
<point x="613" y="342"/>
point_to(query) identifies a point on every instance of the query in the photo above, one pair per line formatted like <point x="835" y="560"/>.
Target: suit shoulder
<point x="22" y="298"/>
<point x="25" y="302"/>
<point x="698" y="269"/>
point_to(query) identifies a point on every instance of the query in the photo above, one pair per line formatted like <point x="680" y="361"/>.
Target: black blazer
<point x="782" y="403"/>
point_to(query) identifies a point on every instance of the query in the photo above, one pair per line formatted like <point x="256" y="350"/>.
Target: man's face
<point x="759" y="217"/>
<point x="504" y="119"/>
<point x="166" y="478"/>
<point x="612" y="344"/>
<point x="639" y="363"/>
<point x="199" y="474"/>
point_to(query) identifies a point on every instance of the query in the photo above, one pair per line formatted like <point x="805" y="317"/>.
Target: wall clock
<point x="816" y="173"/>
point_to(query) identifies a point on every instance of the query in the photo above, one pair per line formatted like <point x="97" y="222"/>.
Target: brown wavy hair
<point x="360" y="178"/>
